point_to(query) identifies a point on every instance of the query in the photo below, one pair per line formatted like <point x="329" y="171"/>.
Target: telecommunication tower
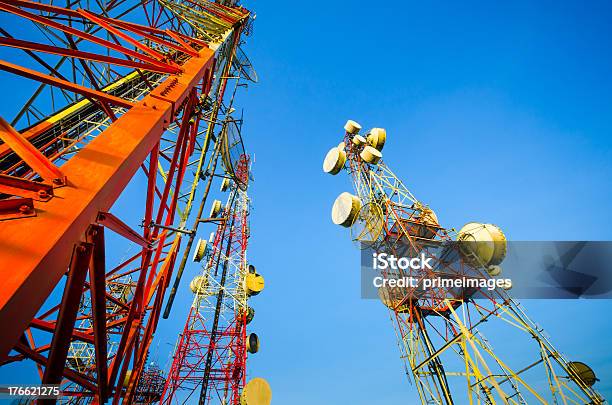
<point x="150" y="386"/>
<point x="441" y="332"/>
<point x="127" y="103"/>
<point x="209" y="362"/>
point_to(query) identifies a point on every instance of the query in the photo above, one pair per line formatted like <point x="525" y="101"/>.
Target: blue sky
<point x="494" y="112"/>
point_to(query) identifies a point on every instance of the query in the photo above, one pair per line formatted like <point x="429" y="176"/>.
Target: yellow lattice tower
<point x="441" y="332"/>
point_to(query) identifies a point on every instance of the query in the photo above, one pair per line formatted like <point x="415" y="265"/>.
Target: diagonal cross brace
<point x="32" y="156"/>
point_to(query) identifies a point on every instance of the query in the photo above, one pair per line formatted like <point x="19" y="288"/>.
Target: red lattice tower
<point x="210" y="357"/>
<point x="122" y="90"/>
<point x="150" y="386"/>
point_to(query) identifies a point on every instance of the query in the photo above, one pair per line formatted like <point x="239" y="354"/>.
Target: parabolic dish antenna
<point x="583" y="372"/>
<point x="243" y="64"/>
<point x="234" y="156"/>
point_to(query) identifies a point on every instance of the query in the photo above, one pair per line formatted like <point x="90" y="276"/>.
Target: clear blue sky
<point x="494" y="112"/>
<point x="499" y="113"/>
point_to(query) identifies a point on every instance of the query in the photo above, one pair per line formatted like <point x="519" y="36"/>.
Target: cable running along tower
<point x="441" y="332"/>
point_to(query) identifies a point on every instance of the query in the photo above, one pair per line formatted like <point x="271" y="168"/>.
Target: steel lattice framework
<point x="209" y="361"/>
<point x="124" y="92"/>
<point x="441" y="334"/>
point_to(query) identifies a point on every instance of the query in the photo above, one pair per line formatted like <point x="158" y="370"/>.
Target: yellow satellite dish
<point x="583" y="372"/>
<point x="482" y="244"/>
<point x="256" y="392"/>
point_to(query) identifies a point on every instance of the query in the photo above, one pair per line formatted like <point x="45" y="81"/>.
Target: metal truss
<point x="121" y="91"/>
<point x="441" y="334"/>
<point x="209" y="362"/>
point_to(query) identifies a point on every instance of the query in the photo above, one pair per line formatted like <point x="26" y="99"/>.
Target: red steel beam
<point x="25" y="188"/>
<point x="118" y="226"/>
<point x="64" y="84"/>
<point x="75" y="53"/>
<point x="64" y="326"/>
<point x="30" y="155"/>
<point x="70" y="374"/>
<point x="178" y="47"/>
<point x="92" y="79"/>
<point x="130" y="338"/>
<point x="114" y="21"/>
<point x="16" y="208"/>
<point x="97" y="270"/>
<point x="141" y="356"/>
<point x="97" y="175"/>
<point x="42" y="7"/>
<point x="180" y="40"/>
<point x="49" y="326"/>
<point x="83" y="35"/>
<point x="137" y="44"/>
